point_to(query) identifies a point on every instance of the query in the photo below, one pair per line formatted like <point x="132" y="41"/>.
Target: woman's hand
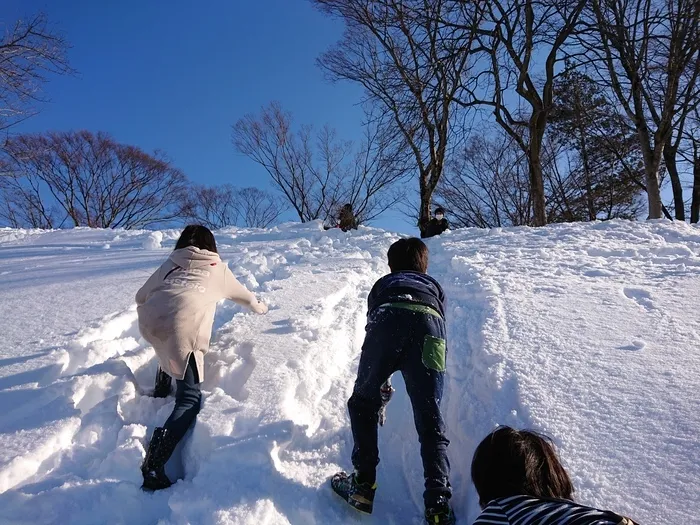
<point x="259" y="308"/>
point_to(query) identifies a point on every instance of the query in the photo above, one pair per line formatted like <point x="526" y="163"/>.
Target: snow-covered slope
<point x="587" y="332"/>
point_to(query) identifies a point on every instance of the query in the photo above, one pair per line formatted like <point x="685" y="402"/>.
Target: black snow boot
<point x="440" y="513"/>
<point x="163" y="384"/>
<point x="159" y="451"/>
<point x="358" y="494"/>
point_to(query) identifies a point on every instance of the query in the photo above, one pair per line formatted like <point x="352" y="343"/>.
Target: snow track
<point x="583" y="332"/>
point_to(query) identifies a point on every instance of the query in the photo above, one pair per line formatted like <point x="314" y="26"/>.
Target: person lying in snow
<point x="437" y="225"/>
<point x="405" y="332"/>
<point x="520" y="480"/>
<point x="346" y="218"/>
<point x="176" y="312"/>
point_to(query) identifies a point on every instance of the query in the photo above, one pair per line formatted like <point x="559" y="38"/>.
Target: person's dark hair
<point x="439" y="210"/>
<point x="198" y="236"/>
<point x="511" y="462"/>
<point x="408" y="254"/>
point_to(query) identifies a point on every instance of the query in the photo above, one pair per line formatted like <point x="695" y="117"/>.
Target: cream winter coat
<point x="176" y="306"/>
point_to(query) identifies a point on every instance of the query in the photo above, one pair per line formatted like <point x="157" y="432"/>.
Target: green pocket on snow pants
<point x="434" y="353"/>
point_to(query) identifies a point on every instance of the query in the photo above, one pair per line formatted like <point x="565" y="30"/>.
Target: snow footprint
<point x="106" y="339"/>
<point x="641" y="297"/>
<point x="234" y="375"/>
<point x="635" y="346"/>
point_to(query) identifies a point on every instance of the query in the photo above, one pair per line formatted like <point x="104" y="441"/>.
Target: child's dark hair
<point x="408" y="255"/>
<point x="198" y="236"/>
<point x="511" y="462"/>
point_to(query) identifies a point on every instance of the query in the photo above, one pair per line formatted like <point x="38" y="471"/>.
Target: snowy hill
<point x="589" y="333"/>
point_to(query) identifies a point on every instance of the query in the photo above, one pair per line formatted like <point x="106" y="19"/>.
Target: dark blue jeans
<point x="397" y="340"/>
<point x="188" y="399"/>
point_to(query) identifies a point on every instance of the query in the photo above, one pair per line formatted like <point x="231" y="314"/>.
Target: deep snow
<point x="587" y="332"/>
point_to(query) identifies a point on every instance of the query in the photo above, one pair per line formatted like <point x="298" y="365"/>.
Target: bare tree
<point x="258" y="208"/>
<point x="410" y="66"/>
<point x="649" y="50"/>
<point x="220" y="206"/>
<point x="686" y="16"/>
<point x="23" y="204"/>
<point x="288" y="158"/>
<point x="589" y="173"/>
<point x="691" y="154"/>
<point x="695" y="203"/>
<point x="29" y="50"/>
<point x="379" y="163"/>
<point x="316" y="176"/>
<point x="214" y="207"/>
<point x="486" y="185"/>
<point x="86" y="179"/>
<point x="523" y="43"/>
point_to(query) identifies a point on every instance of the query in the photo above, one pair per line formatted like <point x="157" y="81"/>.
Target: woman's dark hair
<point x="511" y="462"/>
<point x="408" y="254"/>
<point x="198" y="236"/>
<point x="439" y="210"/>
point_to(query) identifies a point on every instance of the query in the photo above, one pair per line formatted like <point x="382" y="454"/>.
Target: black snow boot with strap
<point x="159" y="451"/>
<point x="440" y="513"/>
<point x="358" y="494"/>
<point x="163" y="384"/>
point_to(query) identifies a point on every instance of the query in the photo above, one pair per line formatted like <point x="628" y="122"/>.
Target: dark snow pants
<point x="188" y="399"/>
<point x="411" y="339"/>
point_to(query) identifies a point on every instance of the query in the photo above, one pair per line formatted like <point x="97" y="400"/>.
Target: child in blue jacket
<point x="406" y="333"/>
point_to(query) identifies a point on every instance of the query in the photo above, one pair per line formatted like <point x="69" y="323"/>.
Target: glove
<point x="259" y="308"/>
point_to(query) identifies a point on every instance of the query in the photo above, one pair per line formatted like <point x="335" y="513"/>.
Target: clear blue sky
<point x="175" y="75"/>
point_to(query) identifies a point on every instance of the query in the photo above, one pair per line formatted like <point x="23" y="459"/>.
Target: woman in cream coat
<point x="176" y="310"/>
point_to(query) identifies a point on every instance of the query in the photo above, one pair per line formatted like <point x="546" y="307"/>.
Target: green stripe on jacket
<point x="415" y="307"/>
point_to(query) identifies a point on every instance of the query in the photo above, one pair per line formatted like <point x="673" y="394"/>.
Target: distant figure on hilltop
<point x="346" y="218"/>
<point x="436" y="225"/>
<point x="176" y="310"/>
<point x="520" y="480"/>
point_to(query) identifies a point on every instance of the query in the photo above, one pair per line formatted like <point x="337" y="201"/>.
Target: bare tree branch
<point x="29" y="51"/>
<point x="258" y="208"/>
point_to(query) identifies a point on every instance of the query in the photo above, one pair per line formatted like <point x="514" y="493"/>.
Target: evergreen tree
<point x="605" y="167"/>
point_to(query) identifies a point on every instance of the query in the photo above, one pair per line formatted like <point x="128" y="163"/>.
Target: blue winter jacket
<point x="407" y="287"/>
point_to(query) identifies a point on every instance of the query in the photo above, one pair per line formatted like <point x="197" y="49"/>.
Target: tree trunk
<point x="583" y="146"/>
<point x="695" y="204"/>
<point x="426" y="196"/>
<point x="590" y="204"/>
<point x="670" y="159"/>
<point x="644" y="189"/>
<point x="653" y="192"/>
<point x="536" y="180"/>
<point x="652" y="162"/>
<point x="651" y="154"/>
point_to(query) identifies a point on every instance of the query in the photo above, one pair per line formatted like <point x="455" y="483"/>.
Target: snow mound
<point x="585" y="332"/>
<point x="153" y="241"/>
